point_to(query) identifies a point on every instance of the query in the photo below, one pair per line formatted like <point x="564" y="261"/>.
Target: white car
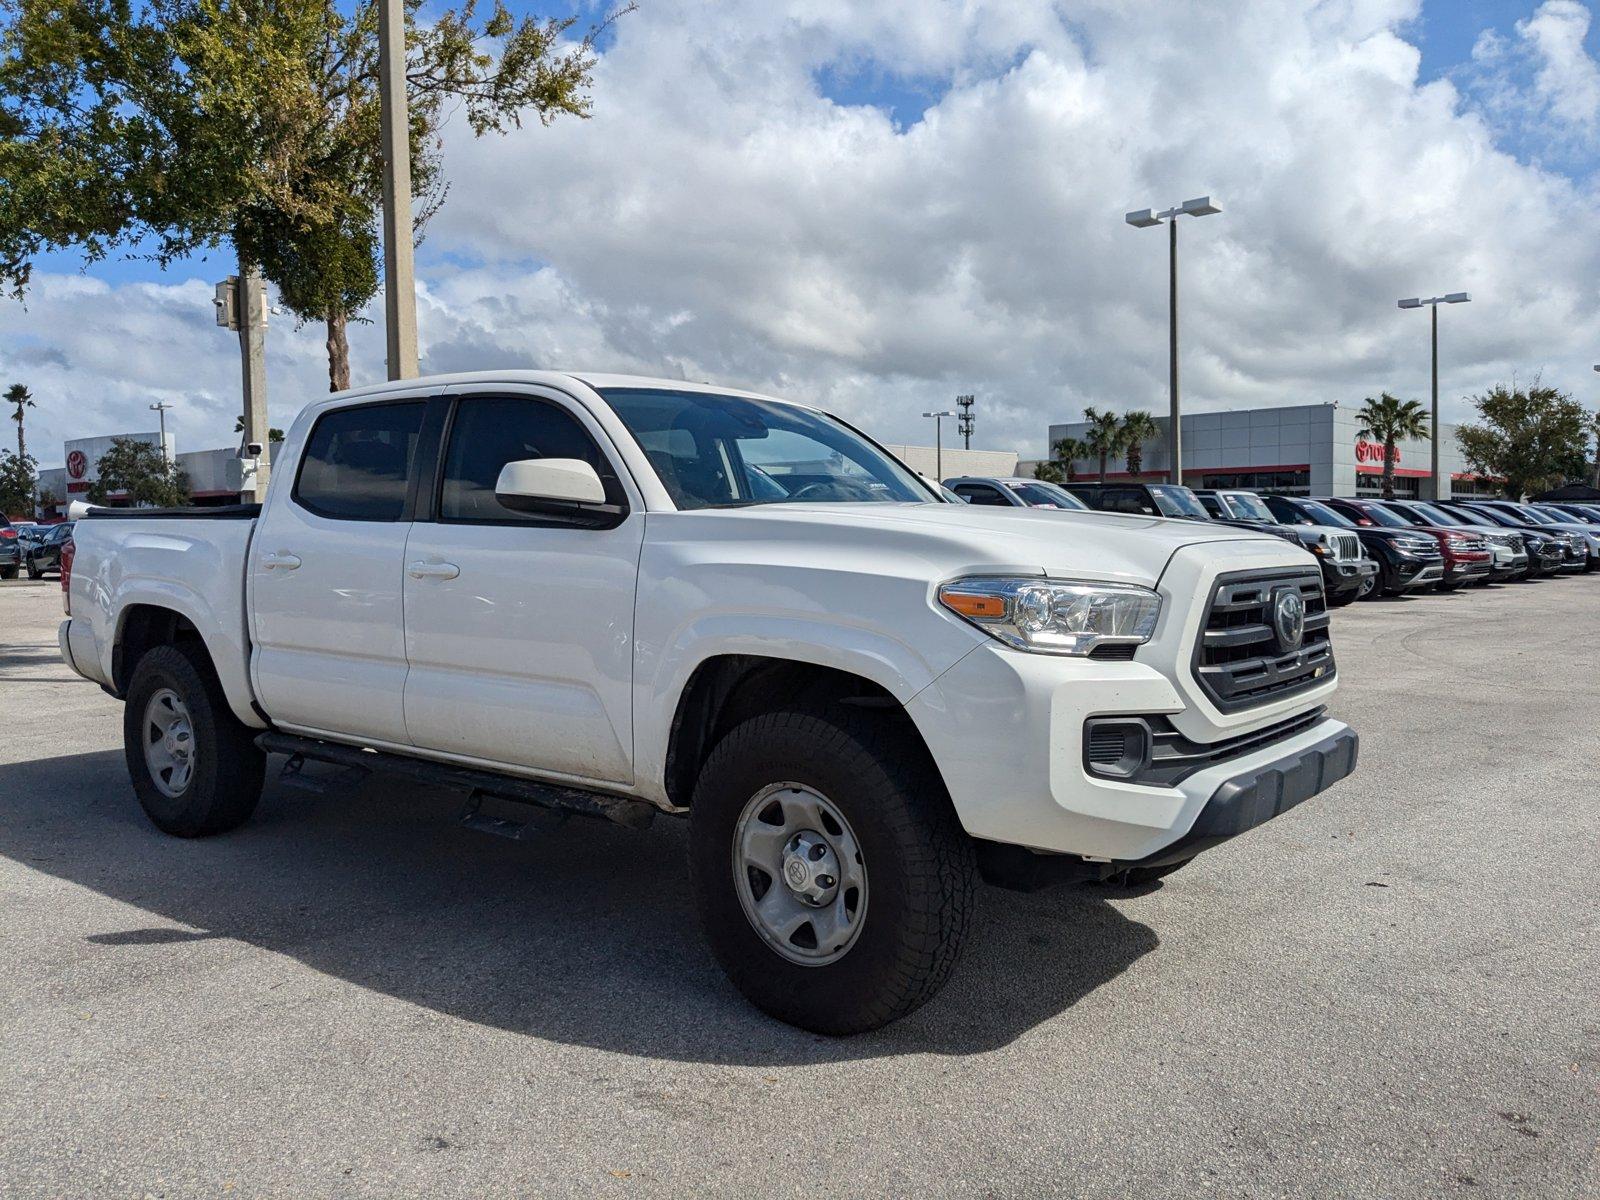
<point x="623" y="596"/>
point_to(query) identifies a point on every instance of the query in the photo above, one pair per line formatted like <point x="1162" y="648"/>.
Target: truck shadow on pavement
<point x="583" y="935"/>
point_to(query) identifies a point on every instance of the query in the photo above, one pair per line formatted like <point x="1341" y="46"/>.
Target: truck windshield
<point x="1175" y="501"/>
<point x="719" y="451"/>
<point x="1248" y="507"/>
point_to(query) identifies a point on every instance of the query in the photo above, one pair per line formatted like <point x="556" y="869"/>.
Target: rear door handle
<point x="284" y="561"/>
<point x="433" y="570"/>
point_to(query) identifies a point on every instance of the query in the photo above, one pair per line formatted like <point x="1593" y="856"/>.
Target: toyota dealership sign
<point x="83" y="456"/>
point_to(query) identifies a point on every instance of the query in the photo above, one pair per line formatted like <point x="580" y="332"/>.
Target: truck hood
<point x="945" y="540"/>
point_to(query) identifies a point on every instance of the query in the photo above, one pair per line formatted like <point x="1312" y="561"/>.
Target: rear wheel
<point x="34" y="572"/>
<point x="195" y="767"/>
<point x="8" y="572"/>
<point x="833" y="880"/>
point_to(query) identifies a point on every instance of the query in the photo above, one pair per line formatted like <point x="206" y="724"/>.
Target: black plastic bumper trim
<point x="1258" y="795"/>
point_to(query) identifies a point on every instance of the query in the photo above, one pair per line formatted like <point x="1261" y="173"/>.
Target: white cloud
<point x="720" y="218"/>
<point x="1568" y="79"/>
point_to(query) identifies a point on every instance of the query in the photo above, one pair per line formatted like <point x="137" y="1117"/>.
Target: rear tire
<point x="853" y="787"/>
<point x="195" y="767"/>
<point x="8" y="572"/>
<point x="34" y="572"/>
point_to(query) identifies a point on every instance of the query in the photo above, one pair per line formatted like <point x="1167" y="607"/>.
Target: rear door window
<point x="358" y="462"/>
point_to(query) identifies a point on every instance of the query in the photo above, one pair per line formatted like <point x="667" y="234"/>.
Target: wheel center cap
<point x="811" y="868"/>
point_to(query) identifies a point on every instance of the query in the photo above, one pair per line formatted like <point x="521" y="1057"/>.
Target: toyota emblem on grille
<point x="1289" y="618"/>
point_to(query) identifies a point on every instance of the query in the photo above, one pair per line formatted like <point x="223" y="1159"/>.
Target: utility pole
<point x="964" y="421"/>
<point x="399" y="266"/>
<point x="160" y="409"/>
<point x="241" y="304"/>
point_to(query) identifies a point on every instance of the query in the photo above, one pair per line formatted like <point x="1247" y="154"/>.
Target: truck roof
<point x="592" y="379"/>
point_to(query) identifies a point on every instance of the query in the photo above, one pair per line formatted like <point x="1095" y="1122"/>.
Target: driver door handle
<point x="282" y="561"/>
<point x="433" y="570"/>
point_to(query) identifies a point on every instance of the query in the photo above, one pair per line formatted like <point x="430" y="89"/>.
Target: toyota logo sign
<point x="77" y="464"/>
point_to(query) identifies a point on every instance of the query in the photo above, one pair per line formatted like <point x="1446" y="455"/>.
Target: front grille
<point x="1173" y="757"/>
<point x="1240" y="660"/>
<point x="1346" y="547"/>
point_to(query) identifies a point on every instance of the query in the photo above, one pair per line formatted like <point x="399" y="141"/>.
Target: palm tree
<point x="1389" y="419"/>
<point x="1067" y="452"/>
<point x="1138" y="427"/>
<point x="22" y="398"/>
<point x="1104" y="436"/>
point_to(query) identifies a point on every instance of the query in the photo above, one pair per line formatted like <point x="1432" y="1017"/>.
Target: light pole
<point x="160" y="409"/>
<point x="938" y="443"/>
<point x="1597" y="446"/>
<point x="1433" y="302"/>
<point x="1201" y="206"/>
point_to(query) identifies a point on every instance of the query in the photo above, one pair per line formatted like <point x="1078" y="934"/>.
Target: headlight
<point x="1054" y="617"/>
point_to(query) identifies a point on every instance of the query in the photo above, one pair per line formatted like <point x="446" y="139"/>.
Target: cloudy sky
<point x="877" y="204"/>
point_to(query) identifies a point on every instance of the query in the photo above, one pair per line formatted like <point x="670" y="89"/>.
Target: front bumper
<point x="1036" y="793"/>
<point x="1254" y="796"/>
<point x="1340" y="576"/>
<point x="1412" y="572"/>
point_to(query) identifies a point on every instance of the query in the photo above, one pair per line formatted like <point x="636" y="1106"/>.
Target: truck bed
<point x="188" y="560"/>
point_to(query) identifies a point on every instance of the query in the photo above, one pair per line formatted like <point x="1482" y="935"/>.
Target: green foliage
<point x="273" y="434"/>
<point x="179" y="124"/>
<point x="17" y="482"/>
<point x="1388" y="419"/>
<point x="142" y="471"/>
<point x="1050" y="471"/>
<point x="1104" y="437"/>
<point x="1534" y="438"/>
<point x="1067" y="452"/>
<point x="1138" y="427"/>
<point x="20" y="399"/>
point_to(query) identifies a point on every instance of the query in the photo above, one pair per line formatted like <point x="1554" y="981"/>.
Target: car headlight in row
<point x="1052" y="616"/>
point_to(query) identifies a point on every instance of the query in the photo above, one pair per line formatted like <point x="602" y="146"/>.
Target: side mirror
<point x="564" y="488"/>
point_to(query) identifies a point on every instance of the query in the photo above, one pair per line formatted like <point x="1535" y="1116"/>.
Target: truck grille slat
<point x="1241" y="660"/>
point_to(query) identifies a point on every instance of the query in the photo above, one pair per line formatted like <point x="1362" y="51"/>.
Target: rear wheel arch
<point x="726" y="690"/>
<point x="143" y="627"/>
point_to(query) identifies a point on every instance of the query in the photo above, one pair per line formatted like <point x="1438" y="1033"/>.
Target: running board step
<point x="294" y="775"/>
<point x="623" y="810"/>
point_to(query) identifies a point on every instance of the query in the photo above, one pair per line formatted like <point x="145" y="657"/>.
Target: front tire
<point x="195" y="767"/>
<point x="8" y="572"/>
<point x="832" y="878"/>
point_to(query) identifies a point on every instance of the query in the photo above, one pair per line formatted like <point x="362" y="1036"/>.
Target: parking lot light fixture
<point x="938" y="441"/>
<point x="1433" y="302"/>
<point x="1200" y="206"/>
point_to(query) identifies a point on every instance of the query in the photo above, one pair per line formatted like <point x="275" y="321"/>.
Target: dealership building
<point x="1304" y="450"/>
<point x="212" y="474"/>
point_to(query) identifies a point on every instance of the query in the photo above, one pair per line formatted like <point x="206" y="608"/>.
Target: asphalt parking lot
<point x="1392" y="991"/>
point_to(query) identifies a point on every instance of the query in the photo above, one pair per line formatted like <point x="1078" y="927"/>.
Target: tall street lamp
<point x="160" y="409"/>
<point x="938" y="442"/>
<point x="1143" y="219"/>
<point x="1433" y="302"/>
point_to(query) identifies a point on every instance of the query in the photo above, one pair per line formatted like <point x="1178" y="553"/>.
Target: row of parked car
<point x="1366" y="547"/>
<point x="31" y="547"/>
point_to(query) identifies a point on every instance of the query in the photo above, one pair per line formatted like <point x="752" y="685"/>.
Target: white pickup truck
<point x="622" y="596"/>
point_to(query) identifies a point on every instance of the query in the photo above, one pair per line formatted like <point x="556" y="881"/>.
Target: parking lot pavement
<point x="1392" y="991"/>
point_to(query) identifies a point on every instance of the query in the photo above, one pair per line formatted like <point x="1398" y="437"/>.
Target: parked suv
<point x="1585" y="544"/>
<point x="1548" y="549"/>
<point x="1510" y="553"/>
<point x="997" y="491"/>
<point x="1346" y="571"/>
<point x="1467" y="557"/>
<point x="1141" y="499"/>
<point x="1404" y="559"/>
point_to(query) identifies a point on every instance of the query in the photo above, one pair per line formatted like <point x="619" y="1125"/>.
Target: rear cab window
<point x="358" y="461"/>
